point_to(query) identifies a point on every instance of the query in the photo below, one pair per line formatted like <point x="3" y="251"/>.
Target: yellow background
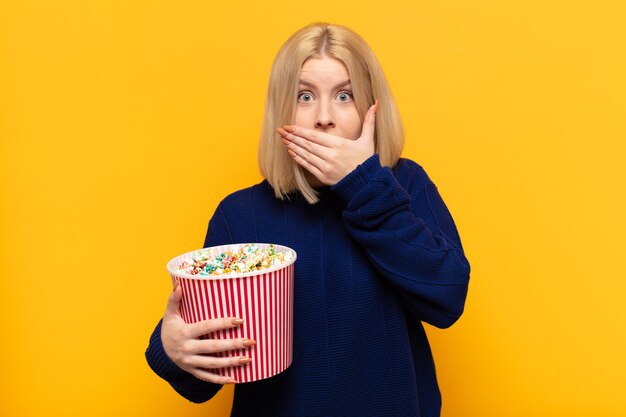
<point x="123" y="123"/>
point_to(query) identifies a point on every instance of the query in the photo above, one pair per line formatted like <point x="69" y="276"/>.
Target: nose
<point x="324" y="118"/>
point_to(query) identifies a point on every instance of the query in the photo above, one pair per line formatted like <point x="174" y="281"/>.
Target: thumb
<point x="173" y="303"/>
<point x="369" y="123"/>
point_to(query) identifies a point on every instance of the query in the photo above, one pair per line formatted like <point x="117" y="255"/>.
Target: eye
<point x="305" y="96"/>
<point x="344" y="96"/>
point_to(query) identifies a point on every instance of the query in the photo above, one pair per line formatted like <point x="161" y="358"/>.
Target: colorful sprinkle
<point x="248" y="258"/>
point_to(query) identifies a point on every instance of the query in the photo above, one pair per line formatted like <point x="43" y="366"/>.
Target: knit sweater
<point x="378" y="255"/>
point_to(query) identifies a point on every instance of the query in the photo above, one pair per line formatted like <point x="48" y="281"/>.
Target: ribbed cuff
<point x="355" y="181"/>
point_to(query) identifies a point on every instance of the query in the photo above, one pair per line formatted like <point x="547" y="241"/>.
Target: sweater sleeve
<point x="409" y="236"/>
<point x="184" y="383"/>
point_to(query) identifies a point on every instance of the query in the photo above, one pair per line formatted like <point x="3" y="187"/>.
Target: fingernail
<point x="237" y="322"/>
<point x="281" y="131"/>
<point x="244" y="361"/>
<point x="285" y="141"/>
<point x="249" y="342"/>
<point x="231" y="381"/>
<point x="289" y="129"/>
<point x="292" y="153"/>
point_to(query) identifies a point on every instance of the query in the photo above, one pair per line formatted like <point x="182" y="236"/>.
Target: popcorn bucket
<point x="264" y="299"/>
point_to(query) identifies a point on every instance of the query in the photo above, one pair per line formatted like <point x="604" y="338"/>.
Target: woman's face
<point x="325" y="101"/>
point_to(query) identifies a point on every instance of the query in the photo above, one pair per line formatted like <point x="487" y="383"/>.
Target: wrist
<point x="358" y="178"/>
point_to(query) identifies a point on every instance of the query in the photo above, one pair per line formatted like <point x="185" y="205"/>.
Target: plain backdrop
<point x="123" y="123"/>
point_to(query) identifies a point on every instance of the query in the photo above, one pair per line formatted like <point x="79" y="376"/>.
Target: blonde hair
<point x="368" y="84"/>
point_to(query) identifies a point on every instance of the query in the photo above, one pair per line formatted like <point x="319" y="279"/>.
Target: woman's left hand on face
<point x="330" y="158"/>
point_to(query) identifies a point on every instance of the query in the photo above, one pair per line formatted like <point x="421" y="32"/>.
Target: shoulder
<point x="243" y="202"/>
<point x="245" y="195"/>
<point x="410" y="174"/>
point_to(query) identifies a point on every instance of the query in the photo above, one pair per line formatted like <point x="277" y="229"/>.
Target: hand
<point x="182" y="344"/>
<point x="330" y="158"/>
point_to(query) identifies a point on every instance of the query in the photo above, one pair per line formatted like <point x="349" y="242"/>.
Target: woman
<point x="378" y="252"/>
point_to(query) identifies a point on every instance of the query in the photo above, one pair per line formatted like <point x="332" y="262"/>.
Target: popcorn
<point x="249" y="258"/>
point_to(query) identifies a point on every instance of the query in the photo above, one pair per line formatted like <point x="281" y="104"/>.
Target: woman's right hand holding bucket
<point x="182" y="343"/>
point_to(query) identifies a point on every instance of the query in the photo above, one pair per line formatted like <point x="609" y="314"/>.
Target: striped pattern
<point x="264" y="301"/>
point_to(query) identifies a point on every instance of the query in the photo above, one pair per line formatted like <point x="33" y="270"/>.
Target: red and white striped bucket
<point x="264" y="299"/>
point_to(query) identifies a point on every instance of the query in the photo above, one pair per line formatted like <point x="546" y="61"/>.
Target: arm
<point x="409" y="236"/>
<point x="186" y="346"/>
<point x="404" y="226"/>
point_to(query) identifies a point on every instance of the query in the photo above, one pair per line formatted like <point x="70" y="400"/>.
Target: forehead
<point x="324" y="69"/>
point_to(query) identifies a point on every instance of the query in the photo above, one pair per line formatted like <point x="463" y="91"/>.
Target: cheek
<point x="304" y="117"/>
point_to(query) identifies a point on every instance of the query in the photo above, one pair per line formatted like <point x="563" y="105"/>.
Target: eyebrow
<point x="345" y="83"/>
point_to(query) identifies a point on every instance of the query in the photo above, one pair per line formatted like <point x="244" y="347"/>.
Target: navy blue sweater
<point x="377" y="256"/>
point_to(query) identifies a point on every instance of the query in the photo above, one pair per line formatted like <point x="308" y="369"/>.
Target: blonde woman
<point x="378" y="252"/>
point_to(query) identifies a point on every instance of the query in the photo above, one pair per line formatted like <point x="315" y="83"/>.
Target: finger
<point x="198" y="346"/>
<point x="312" y="152"/>
<point x="369" y="122"/>
<point x="323" y="139"/>
<point x="209" y="326"/>
<point x="311" y="159"/>
<point x="306" y="165"/>
<point x="310" y="146"/>
<point x="211" y="377"/>
<point x="173" y="302"/>
<point x="214" y="362"/>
